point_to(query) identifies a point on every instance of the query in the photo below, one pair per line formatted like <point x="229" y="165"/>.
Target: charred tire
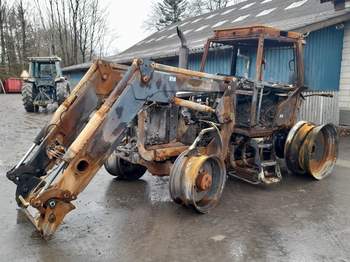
<point x="27" y="97"/>
<point x="62" y="92"/>
<point x="123" y="169"/>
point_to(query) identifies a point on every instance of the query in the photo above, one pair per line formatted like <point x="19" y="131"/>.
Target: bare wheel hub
<point x="197" y="181"/>
<point x="203" y="180"/>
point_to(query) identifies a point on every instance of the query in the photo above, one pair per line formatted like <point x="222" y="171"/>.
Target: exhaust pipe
<point x="183" y="50"/>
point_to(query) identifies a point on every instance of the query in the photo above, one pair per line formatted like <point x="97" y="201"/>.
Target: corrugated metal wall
<point x="218" y="61"/>
<point x="323" y="54"/>
<point x="322" y="58"/>
<point x="320" y="110"/>
<point x="344" y="91"/>
<point x="278" y="67"/>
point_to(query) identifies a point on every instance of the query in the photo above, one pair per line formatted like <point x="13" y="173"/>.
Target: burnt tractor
<point x="193" y="126"/>
<point x="44" y="83"/>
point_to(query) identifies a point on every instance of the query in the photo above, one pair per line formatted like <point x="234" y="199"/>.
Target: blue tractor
<point x="44" y="84"/>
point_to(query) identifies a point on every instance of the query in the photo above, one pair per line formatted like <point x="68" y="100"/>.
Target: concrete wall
<point x="344" y="90"/>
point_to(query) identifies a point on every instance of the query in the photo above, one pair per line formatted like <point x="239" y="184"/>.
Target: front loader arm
<point x="143" y="83"/>
<point x="65" y="125"/>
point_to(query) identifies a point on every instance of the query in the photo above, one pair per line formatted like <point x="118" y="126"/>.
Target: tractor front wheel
<point x="197" y="181"/>
<point x="123" y="169"/>
<point x="27" y="97"/>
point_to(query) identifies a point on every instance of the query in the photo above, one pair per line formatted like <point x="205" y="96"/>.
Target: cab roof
<point x="44" y="59"/>
<point x="254" y="31"/>
<point x="250" y="34"/>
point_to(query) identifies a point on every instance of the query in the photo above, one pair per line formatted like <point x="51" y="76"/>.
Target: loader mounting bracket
<point x="146" y="70"/>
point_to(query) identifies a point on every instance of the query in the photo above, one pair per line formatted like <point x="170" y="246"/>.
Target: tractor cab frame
<point x="257" y="39"/>
<point x="45" y="67"/>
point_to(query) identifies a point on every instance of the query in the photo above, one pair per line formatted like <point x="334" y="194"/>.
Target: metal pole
<point x="59" y="169"/>
<point x="261" y="87"/>
<point x="183" y="50"/>
<point x="258" y="71"/>
<point x="26" y="155"/>
<point x="2" y="87"/>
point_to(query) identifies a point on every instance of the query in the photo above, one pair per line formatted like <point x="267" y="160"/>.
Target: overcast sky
<point x="126" y="20"/>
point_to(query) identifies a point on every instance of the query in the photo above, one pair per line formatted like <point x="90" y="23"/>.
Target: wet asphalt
<point x="297" y="220"/>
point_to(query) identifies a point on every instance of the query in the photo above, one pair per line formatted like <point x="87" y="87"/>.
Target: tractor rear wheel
<point x="27" y="97"/>
<point x="311" y="149"/>
<point x="62" y="92"/>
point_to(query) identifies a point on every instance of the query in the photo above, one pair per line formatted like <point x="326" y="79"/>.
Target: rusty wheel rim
<point x="311" y="149"/>
<point x="294" y="141"/>
<point x="320" y="153"/>
<point x="197" y="181"/>
<point x="205" y="199"/>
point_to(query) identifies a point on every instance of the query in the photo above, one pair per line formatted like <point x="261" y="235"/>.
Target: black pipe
<point x="183" y="50"/>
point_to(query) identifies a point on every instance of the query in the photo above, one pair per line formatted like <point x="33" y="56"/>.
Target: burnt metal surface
<point x="172" y="121"/>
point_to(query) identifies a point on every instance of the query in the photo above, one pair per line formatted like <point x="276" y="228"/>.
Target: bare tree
<point x="74" y="8"/>
<point x="61" y="29"/>
<point x="94" y="24"/>
<point x="2" y="30"/>
<point x="23" y="31"/>
<point x="52" y="27"/>
<point x="75" y="30"/>
<point x="199" y="7"/>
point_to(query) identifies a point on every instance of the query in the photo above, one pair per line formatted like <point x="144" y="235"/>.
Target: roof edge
<point x="77" y="67"/>
<point x="324" y="23"/>
<point x="305" y="29"/>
